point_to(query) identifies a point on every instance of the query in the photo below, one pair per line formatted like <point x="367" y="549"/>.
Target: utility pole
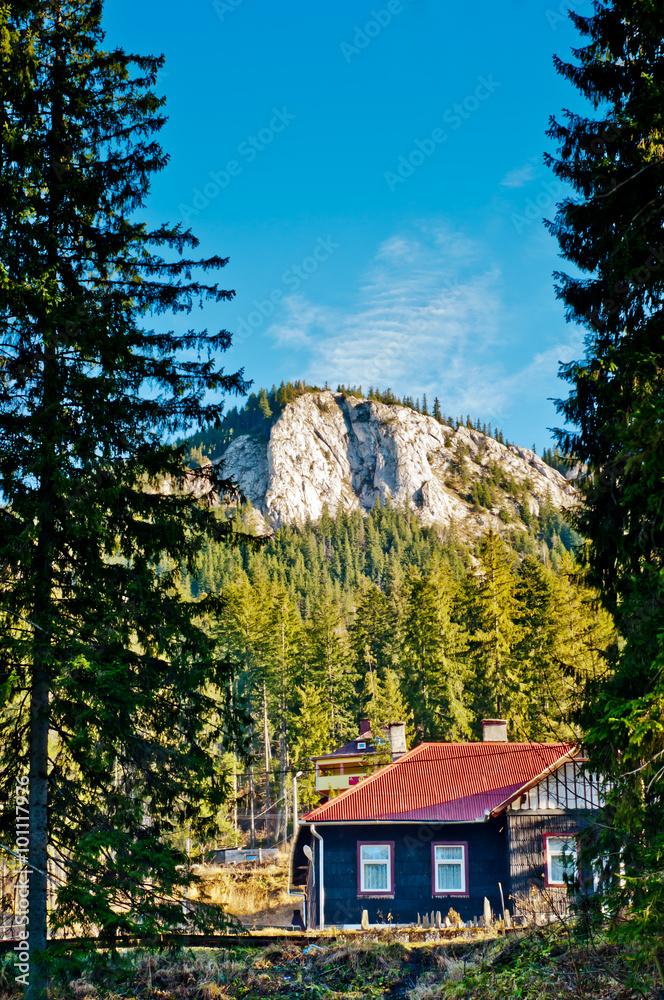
<point x="295" y="810"/>
<point x="235" y="801"/>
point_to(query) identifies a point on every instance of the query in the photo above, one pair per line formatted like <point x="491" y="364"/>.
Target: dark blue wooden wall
<point x="487" y="857"/>
<point x="526" y="845"/>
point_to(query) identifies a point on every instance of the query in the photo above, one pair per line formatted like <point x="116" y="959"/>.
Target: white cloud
<point x="429" y="317"/>
<point x="520" y="176"/>
<point x="295" y="330"/>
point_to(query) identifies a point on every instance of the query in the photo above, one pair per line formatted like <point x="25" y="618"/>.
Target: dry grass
<point x="533" y="966"/>
<point x="254" y="894"/>
<point x="449" y="969"/>
<point x="354" y="955"/>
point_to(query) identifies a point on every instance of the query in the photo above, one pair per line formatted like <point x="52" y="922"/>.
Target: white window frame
<point x="572" y="840"/>
<point x="463" y="891"/>
<point x="388" y="862"/>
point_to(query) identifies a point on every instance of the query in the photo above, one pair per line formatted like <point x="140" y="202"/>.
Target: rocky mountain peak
<point x="340" y="452"/>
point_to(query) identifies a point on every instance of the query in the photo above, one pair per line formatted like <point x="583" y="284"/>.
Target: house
<point x="352" y="762"/>
<point x="446" y="825"/>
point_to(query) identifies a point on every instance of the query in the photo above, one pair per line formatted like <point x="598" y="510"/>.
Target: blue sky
<point x="374" y="172"/>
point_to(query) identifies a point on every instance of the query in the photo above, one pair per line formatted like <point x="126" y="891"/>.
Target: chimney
<point x="365" y="726"/>
<point x="397" y="732"/>
<point x="494" y="730"/>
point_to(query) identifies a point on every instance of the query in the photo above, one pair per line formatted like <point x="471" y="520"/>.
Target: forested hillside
<point x="381" y="617"/>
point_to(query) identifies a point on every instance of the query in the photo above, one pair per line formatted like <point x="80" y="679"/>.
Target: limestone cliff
<point x="328" y="449"/>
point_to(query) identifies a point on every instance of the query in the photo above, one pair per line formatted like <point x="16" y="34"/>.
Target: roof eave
<point x="569" y="756"/>
<point x="391" y="822"/>
<point x="351" y="755"/>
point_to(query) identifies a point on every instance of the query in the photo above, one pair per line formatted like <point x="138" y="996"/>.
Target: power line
<point x="513" y="748"/>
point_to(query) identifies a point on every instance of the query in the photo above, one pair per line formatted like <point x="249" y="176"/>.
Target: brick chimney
<point x="397" y="732"/>
<point x="365" y="726"/>
<point x="494" y="730"/>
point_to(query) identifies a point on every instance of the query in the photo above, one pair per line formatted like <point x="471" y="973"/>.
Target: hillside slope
<point x="338" y="451"/>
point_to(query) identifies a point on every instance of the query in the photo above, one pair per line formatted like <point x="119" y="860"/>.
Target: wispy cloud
<point x="520" y="176"/>
<point x="429" y="317"/>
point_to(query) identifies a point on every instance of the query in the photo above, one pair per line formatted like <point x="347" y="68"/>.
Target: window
<point x="561" y="858"/>
<point x="375" y="864"/>
<point x="450" y="869"/>
<point x="361" y="745"/>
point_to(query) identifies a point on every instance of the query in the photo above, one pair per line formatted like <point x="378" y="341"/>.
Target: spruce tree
<point x="310" y="733"/>
<point x="611" y="231"/>
<point x="545" y="709"/>
<point x="330" y="665"/>
<point x="114" y="694"/>
<point x="372" y="633"/>
<point x="430" y="654"/>
<point x="491" y="618"/>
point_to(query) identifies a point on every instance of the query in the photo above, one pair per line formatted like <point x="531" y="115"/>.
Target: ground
<point x="536" y="966"/>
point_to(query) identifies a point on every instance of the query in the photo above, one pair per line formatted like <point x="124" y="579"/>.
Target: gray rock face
<point x="343" y="453"/>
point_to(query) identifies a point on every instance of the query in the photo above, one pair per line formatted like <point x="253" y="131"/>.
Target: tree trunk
<point x="38" y="850"/>
<point x="266" y="739"/>
<point x="43" y="610"/>
<point x="281" y="820"/>
<point x="252" y="807"/>
<point x="284" y="791"/>
<point x="252" y="784"/>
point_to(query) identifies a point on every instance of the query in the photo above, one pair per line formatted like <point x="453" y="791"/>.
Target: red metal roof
<point x="443" y="783"/>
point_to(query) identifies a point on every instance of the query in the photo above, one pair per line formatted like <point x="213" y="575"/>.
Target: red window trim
<point x="558" y="836"/>
<point x="449" y="843"/>
<point x="375" y="892"/>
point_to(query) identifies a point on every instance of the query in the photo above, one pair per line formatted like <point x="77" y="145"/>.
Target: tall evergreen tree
<point x="612" y="232"/>
<point x="491" y="608"/>
<point x="546" y="708"/>
<point x="113" y="688"/>
<point x="372" y="633"/>
<point x="431" y="665"/>
<point x="310" y="732"/>
<point x="330" y="664"/>
<point x="285" y="640"/>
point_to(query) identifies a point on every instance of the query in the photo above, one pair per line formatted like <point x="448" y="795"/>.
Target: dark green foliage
<point x="611" y="231"/>
<point x="386" y="605"/>
<point x="434" y="670"/>
<point x="555" y="458"/>
<point x="114" y="694"/>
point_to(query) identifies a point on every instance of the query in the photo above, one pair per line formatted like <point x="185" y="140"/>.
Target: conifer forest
<point x="381" y="618"/>
<point x="281" y="310"/>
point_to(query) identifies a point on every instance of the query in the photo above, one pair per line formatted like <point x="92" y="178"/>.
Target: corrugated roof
<point x="443" y="783"/>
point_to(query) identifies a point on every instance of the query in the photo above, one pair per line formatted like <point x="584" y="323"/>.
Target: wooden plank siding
<point x="561" y="803"/>
<point x="526" y="848"/>
<point x="569" y="787"/>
